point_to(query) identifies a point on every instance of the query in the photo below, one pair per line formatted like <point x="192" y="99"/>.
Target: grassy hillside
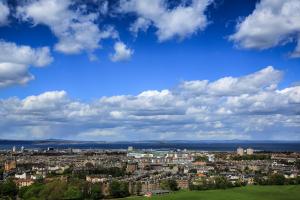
<point x="290" y="192"/>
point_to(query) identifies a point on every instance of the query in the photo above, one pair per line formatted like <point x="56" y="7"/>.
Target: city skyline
<point x="135" y="70"/>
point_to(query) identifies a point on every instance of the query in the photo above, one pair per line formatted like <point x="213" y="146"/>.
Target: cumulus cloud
<point x="76" y="29"/>
<point x="265" y="79"/>
<point x="180" y="21"/>
<point x="122" y="52"/>
<point x="272" y="23"/>
<point x="250" y="107"/>
<point x="15" y="62"/>
<point x="4" y="13"/>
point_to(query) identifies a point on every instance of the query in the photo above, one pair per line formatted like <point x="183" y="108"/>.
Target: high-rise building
<point x="130" y="148"/>
<point x="249" y="151"/>
<point x="240" y="151"/>
<point x="14" y="149"/>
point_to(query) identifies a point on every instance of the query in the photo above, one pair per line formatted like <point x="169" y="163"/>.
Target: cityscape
<point x="150" y="99"/>
<point x="130" y="172"/>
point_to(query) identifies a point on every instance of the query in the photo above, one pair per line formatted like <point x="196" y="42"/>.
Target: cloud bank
<point x="247" y="107"/>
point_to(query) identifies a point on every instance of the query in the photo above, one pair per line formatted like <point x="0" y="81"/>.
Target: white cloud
<point x="272" y="23"/>
<point x="76" y="30"/>
<point x="193" y="110"/>
<point x="140" y="24"/>
<point x="265" y="79"/>
<point x="12" y="53"/>
<point x="4" y="13"/>
<point x="15" y="62"/>
<point x="122" y="52"/>
<point x="180" y="21"/>
<point x="47" y="100"/>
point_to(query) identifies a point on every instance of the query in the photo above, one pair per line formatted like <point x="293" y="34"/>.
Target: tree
<point x="72" y="193"/>
<point x="31" y="191"/>
<point x="222" y="183"/>
<point x="276" y="179"/>
<point x="118" y="189"/>
<point x="170" y="184"/>
<point x="96" y="192"/>
<point x="201" y="159"/>
<point x="193" y="171"/>
<point x="8" y="188"/>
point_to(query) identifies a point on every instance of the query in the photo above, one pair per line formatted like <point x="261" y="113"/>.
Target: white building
<point x="249" y="151"/>
<point x="14" y="149"/>
<point x="211" y="157"/>
<point x="240" y="151"/>
<point x="21" y="176"/>
<point x="130" y="148"/>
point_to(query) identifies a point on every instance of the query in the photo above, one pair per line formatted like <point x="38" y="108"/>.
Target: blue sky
<point x="94" y="65"/>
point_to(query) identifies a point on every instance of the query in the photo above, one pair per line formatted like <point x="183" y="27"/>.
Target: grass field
<point x="290" y="192"/>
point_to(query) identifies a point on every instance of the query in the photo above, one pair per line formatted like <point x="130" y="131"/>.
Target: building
<point x="183" y="183"/>
<point x="96" y="179"/>
<point x="21" y="176"/>
<point x="24" y="182"/>
<point x="131" y="167"/>
<point x="10" y="165"/>
<point x="249" y="151"/>
<point x="211" y="158"/>
<point x="130" y="148"/>
<point x="240" y="151"/>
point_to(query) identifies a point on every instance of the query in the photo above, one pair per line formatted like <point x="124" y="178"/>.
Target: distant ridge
<point x="51" y="140"/>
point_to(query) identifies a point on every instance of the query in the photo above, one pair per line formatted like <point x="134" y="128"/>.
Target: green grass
<point x="289" y="192"/>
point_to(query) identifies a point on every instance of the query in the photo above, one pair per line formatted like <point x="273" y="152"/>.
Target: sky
<point x="115" y="70"/>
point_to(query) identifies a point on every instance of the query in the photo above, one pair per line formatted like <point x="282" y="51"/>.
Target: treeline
<point x="75" y="189"/>
<point x="201" y="159"/>
<point x="276" y="179"/>
<point x="8" y="189"/>
<point x="169" y="184"/>
<point x="119" y="189"/>
<point x="219" y="182"/>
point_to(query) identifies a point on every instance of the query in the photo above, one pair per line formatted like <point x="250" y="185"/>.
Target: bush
<point x="119" y="189"/>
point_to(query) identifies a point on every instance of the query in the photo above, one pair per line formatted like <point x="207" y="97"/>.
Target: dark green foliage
<point x="72" y="193"/>
<point x="96" y="192"/>
<point x="169" y="184"/>
<point x="222" y="183"/>
<point x="8" y="189"/>
<point x="193" y="171"/>
<point x="276" y="179"/>
<point x="297" y="164"/>
<point x="201" y="158"/>
<point x="119" y="189"/>
<point x="74" y="189"/>
<point x="216" y="183"/>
